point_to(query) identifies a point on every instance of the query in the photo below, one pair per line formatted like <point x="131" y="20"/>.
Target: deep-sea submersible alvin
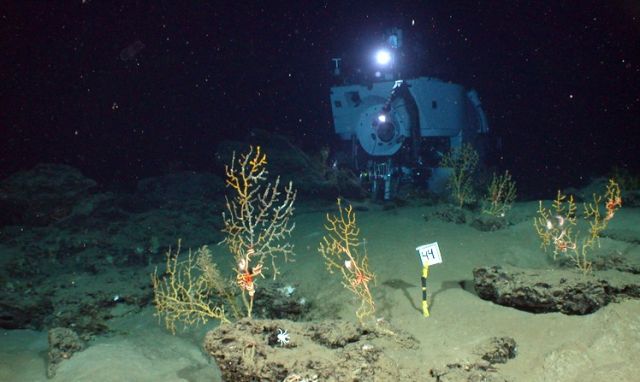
<point x="398" y="128"/>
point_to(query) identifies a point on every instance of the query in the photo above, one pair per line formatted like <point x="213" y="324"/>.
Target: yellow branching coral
<point x="501" y="195"/>
<point x="463" y="162"/>
<point x="557" y="227"/>
<point x="341" y="249"/>
<point x="257" y="222"/>
<point x="184" y="293"/>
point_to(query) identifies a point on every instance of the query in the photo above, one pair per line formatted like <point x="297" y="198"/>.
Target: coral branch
<point x="184" y="293"/>
<point x="340" y="250"/>
<point x="257" y="222"/>
<point x="463" y="162"/>
<point x="557" y="227"/>
<point x="501" y="195"/>
<point x="257" y="225"/>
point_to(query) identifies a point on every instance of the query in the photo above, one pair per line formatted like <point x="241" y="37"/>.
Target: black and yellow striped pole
<point x="429" y="255"/>
<point x="423" y="279"/>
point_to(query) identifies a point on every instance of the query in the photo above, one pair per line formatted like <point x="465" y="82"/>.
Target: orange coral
<point x="340" y="249"/>
<point x="257" y="221"/>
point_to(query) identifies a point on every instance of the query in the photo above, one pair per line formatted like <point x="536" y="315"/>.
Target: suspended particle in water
<point x="131" y="51"/>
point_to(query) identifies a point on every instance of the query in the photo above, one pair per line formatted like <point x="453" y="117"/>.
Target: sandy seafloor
<point x="601" y="346"/>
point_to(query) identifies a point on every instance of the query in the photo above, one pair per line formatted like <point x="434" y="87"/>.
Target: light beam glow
<point x="383" y="57"/>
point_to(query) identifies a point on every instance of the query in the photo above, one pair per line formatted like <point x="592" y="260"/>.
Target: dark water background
<point x="126" y="90"/>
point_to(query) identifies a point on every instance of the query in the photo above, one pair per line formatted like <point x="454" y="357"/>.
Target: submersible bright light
<point x="383" y="57"/>
<point x="382" y="118"/>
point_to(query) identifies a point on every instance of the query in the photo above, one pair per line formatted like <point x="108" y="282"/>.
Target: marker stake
<point x="429" y="255"/>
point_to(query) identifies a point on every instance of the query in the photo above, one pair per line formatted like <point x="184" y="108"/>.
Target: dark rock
<point x="65" y="266"/>
<point x="334" y="334"/>
<point x="18" y="311"/>
<point x="63" y="343"/>
<point x="487" y="223"/>
<point x="248" y="350"/>
<point x="498" y="350"/>
<point x="43" y="195"/>
<point x="275" y="300"/>
<point x="480" y="371"/>
<point x="84" y="302"/>
<point x="494" y="350"/>
<point x="179" y="187"/>
<point x="617" y="261"/>
<point x="566" y="291"/>
<point x="88" y="309"/>
<point x="451" y="214"/>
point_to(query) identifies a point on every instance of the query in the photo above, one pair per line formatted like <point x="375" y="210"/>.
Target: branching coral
<point x="500" y="196"/>
<point x="185" y="292"/>
<point x="557" y="227"/>
<point x="463" y="162"/>
<point x="257" y="222"/>
<point x="343" y="251"/>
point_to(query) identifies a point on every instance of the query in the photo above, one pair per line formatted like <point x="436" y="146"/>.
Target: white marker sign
<point x="429" y="254"/>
